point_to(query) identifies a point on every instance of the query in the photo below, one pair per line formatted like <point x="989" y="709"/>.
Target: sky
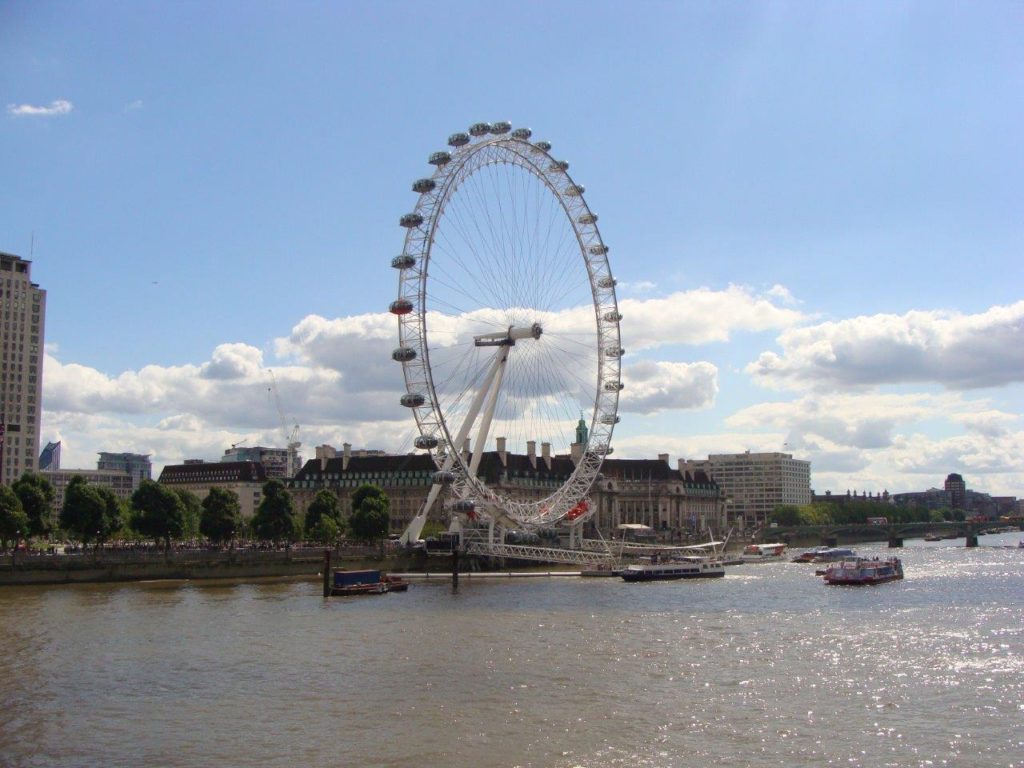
<point x="815" y="213"/>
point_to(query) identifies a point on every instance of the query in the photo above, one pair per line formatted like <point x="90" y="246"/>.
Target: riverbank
<point x="106" y="566"/>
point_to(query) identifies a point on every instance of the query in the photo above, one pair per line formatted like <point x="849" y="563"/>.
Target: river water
<point x="766" y="667"/>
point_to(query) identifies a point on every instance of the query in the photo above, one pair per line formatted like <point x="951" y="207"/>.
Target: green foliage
<point x="370" y="517"/>
<point x="36" y="495"/>
<point x="275" y="518"/>
<point x="221" y="518"/>
<point x="785" y="515"/>
<point x="324" y="531"/>
<point x="157" y="512"/>
<point x="91" y="513"/>
<point x="324" y="505"/>
<point x="191" y="512"/>
<point x="13" y="520"/>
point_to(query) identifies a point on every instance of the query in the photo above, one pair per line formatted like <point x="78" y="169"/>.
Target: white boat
<point x="688" y="567"/>
<point x="696" y="561"/>
<point x="764" y="553"/>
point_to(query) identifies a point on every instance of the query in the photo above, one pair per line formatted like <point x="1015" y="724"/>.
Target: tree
<point x="13" y="520"/>
<point x="324" y="531"/>
<point x="370" y="517"/>
<point x="157" y="512"/>
<point x="221" y="518"/>
<point x="88" y="513"/>
<point x="786" y="515"/>
<point x="191" y="512"/>
<point x="324" y="504"/>
<point x="275" y="517"/>
<point x="36" y="495"/>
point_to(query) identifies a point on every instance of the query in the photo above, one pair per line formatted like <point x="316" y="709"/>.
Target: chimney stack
<point x="323" y="453"/>
<point x="663" y="457"/>
<point x="346" y="455"/>
<point x="501" y="450"/>
<point x="545" y="452"/>
<point x="531" y="452"/>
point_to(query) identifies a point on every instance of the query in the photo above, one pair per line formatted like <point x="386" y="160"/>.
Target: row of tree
<point x="857" y="513"/>
<point x="93" y="514"/>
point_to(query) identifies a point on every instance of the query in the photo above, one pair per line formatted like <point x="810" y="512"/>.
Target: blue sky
<point x="814" y="212"/>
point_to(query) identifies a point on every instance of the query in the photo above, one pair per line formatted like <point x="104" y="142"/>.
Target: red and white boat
<point x="861" y="570"/>
<point x="764" y="553"/>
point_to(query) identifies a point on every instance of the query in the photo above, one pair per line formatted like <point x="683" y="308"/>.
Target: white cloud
<point x="954" y="350"/>
<point x="133" y="106"/>
<point x="58" y="107"/>
<point x="651" y="386"/>
<point x="701" y="316"/>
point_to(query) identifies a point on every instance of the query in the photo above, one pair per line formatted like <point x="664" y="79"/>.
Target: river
<point x="766" y="667"/>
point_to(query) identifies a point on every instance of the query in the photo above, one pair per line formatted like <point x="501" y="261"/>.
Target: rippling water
<point x="767" y="667"/>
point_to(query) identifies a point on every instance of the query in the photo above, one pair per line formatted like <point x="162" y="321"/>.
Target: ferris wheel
<point x="508" y="326"/>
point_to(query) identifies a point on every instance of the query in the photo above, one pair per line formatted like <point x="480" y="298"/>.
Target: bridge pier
<point x="455" y="568"/>
<point x="971" y="539"/>
<point x="830" y="541"/>
<point x="895" y="542"/>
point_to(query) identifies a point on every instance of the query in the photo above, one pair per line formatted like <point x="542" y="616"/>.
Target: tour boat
<point x="861" y="570"/>
<point x="689" y="567"/>
<point x="808" y="555"/>
<point x="825" y="555"/>
<point x="763" y="553"/>
<point x="367" y="582"/>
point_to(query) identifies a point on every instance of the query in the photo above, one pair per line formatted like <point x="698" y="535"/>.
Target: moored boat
<point x="764" y="553"/>
<point x="861" y="570"/>
<point x="365" y="582"/>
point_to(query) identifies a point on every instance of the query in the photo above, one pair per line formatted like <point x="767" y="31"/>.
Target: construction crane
<point x="291" y="436"/>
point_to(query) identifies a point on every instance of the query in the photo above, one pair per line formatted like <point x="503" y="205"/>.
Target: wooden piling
<point x="327" y="573"/>
<point x="455" y="568"/>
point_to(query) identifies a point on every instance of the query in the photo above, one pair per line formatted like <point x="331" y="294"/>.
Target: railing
<point x="539" y="554"/>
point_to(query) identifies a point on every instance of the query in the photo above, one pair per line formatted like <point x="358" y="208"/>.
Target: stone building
<point x="245" y="478"/>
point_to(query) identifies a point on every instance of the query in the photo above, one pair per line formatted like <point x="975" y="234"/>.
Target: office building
<point x="135" y="465"/>
<point x="754" y="484"/>
<point x="22" y="314"/>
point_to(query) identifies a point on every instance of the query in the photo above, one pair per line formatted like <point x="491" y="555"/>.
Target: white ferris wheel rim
<point x="488" y="146"/>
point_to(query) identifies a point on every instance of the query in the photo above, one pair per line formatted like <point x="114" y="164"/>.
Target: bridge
<point x="893" y="532"/>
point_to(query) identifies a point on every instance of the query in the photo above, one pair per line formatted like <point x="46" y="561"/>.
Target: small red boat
<point x="861" y="570"/>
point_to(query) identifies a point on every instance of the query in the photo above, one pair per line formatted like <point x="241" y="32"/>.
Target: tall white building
<point x="755" y="483"/>
<point x="22" y="315"/>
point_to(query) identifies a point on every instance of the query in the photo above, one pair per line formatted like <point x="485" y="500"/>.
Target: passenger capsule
<point x="613" y="317"/>
<point x="610" y="418"/>
<point x="423" y="185"/>
<point x="443" y="477"/>
<point x="427" y="442"/>
<point x="458" y="140"/>
<point x="543" y="146"/>
<point x="615" y="351"/>
<point x="500" y="127"/>
<point x="412" y="400"/>
<point x="522" y="133"/>
<point x="607" y="282"/>
<point x="587" y="218"/>
<point x="440" y="158"/>
<point x="403" y="354"/>
<point x="598" y="250"/>
<point x="479" y="129"/>
<point x="411" y="220"/>
<point x="559" y="165"/>
<point x="601" y="449"/>
<point x="613" y="386"/>
<point x="401" y="307"/>
<point x="403" y="262"/>
<point x="464" y="505"/>
<point x="575" y="190"/>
